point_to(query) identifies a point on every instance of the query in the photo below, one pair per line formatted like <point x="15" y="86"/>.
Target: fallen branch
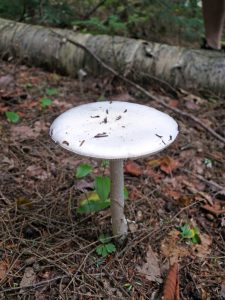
<point x="158" y="99"/>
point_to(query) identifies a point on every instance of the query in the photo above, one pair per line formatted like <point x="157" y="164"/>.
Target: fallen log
<point x="136" y="59"/>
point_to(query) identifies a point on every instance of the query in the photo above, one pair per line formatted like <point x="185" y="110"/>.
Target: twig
<point x="163" y="82"/>
<point x="93" y="9"/>
<point x="208" y="182"/>
<point x="184" y="208"/>
<point x="157" y="99"/>
<point x="34" y="285"/>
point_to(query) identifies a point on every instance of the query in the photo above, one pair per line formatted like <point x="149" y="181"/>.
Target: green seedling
<point x="12" y="117"/>
<point x="102" y="186"/>
<point x="98" y="199"/>
<point x="45" y="102"/>
<point x="83" y="170"/>
<point x="92" y="203"/>
<point x="190" y="233"/>
<point x="105" y="163"/>
<point x="29" y="85"/>
<point x="128" y="286"/>
<point x="51" y="92"/>
<point x="208" y="163"/>
<point x="106" y="247"/>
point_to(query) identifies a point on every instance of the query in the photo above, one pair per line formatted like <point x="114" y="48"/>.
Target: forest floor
<point x="175" y="208"/>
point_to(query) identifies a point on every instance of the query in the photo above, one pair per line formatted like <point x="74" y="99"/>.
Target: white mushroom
<point x="114" y="130"/>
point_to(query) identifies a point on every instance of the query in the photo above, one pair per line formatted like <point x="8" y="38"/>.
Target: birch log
<point x="138" y="59"/>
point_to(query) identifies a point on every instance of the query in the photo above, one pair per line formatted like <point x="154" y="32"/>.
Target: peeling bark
<point x="137" y="59"/>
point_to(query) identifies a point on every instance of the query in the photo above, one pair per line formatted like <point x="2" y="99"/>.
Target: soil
<point x="48" y="250"/>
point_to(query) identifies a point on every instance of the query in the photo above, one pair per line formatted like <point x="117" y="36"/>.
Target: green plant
<point x="191" y="233"/>
<point x="156" y="20"/>
<point x="45" y="102"/>
<point x="83" y="170"/>
<point x="98" y="199"/>
<point x="106" y="247"/>
<point x="51" y="91"/>
<point x="12" y="117"/>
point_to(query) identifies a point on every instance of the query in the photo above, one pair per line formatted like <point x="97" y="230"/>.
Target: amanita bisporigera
<point x="114" y="130"/>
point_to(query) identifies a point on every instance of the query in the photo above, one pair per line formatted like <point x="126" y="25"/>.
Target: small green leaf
<point x="104" y="238"/>
<point x="51" y="91"/>
<point x="99" y="249"/>
<point x="128" y="286"/>
<point x="190" y="233"/>
<point x="105" y="249"/>
<point x="102" y="186"/>
<point x="12" y="116"/>
<point x="126" y="194"/>
<point x="196" y="239"/>
<point x="45" y="102"/>
<point x="105" y="163"/>
<point x="186" y="232"/>
<point x="83" y="170"/>
<point x="29" y="85"/>
<point x="111" y="248"/>
<point x="92" y="203"/>
<point x="208" y="162"/>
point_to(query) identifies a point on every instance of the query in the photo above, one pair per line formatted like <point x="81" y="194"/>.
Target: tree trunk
<point x="137" y="59"/>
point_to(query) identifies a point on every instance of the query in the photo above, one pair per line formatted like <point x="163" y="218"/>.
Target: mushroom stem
<point x="119" y="222"/>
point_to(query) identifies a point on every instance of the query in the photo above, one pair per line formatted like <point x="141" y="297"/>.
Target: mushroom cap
<point x="114" y="130"/>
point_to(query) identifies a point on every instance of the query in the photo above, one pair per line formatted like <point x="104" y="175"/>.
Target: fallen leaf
<point x="216" y="209"/>
<point x="166" y="164"/>
<point x="151" y="269"/>
<point x="171" y="248"/>
<point x="23" y="131"/>
<point x="156" y="176"/>
<point x="173" y="103"/>
<point x="29" y="277"/>
<point x="37" y="172"/>
<point x="171" y="286"/>
<point x="133" y="227"/>
<point x="23" y="202"/>
<point x="132" y="168"/>
<point x="3" y="269"/>
<point x="203" y="249"/>
<point x="6" y="80"/>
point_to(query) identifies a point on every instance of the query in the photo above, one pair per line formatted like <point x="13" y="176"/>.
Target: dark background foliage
<point x="175" y="22"/>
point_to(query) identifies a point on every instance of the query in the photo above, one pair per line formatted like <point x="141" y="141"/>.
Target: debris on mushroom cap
<point x="114" y="130"/>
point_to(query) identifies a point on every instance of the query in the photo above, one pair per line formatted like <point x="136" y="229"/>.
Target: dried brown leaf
<point x="171" y="286"/>
<point x="3" y="269"/>
<point x="216" y="209"/>
<point x="23" y="132"/>
<point x="203" y="249"/>
<point x="37" y="172"/>
<point x="171" y="248"/>
<point x="132" y="168"/>
<point x="166" y="164"/>
<point x="6" y="81"/>
<point x="29" y="277"/>
<point x="151" y="269"/>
